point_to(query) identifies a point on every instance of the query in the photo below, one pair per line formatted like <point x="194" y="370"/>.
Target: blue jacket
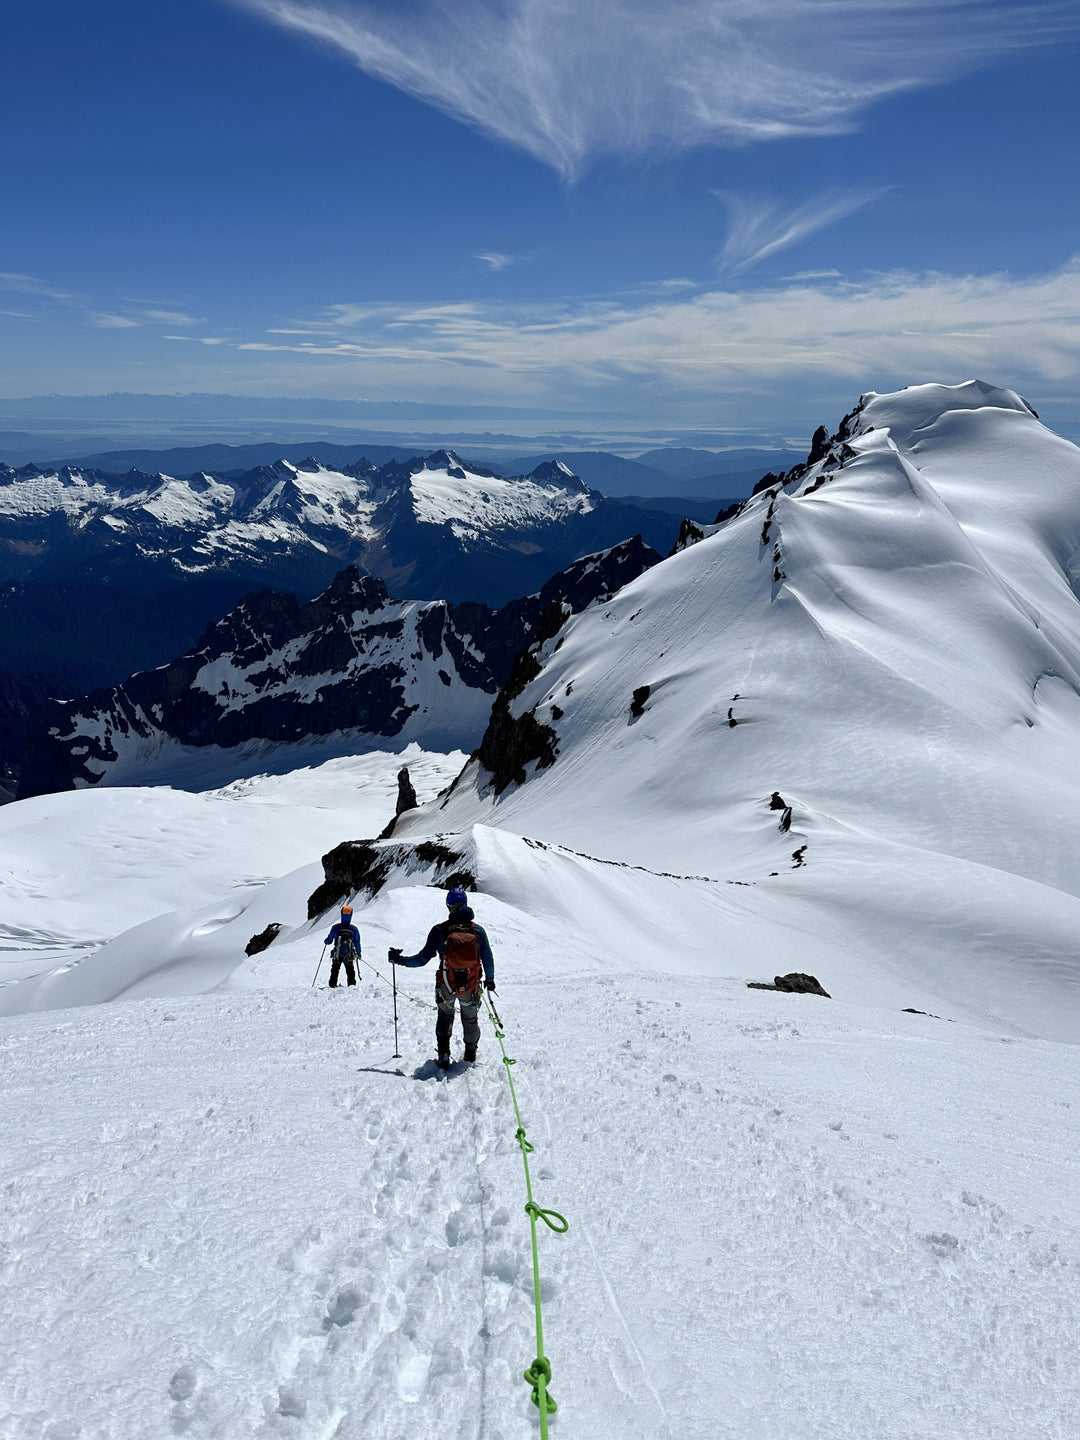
<point x="436" y="943"/>
<point x="350" y="932"/>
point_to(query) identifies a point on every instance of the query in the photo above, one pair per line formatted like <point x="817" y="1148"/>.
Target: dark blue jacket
<point x="436" y="943"/>
<point x="350" y="932"/>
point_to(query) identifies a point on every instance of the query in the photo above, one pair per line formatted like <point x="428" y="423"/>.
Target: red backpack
<point x="462" y="967"/>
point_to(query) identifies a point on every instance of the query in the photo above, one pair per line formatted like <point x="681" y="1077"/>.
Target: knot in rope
<point x="551" y="1218"/>
<point x="519" y="1136"/>
<point x="537" y="1375"/>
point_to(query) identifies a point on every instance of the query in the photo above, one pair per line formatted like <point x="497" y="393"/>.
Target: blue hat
<point x="456" y="897"/>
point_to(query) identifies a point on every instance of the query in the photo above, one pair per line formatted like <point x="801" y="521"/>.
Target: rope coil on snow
<point x="539" y="1372"/>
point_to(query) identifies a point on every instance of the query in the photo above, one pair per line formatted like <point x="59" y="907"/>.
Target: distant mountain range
<point x="352" y="667"/>
<point x="701" y="473"/>
<point x="433" y="527"/>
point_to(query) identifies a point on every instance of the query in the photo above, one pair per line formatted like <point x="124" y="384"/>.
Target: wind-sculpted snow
<point x="80" y="869"/>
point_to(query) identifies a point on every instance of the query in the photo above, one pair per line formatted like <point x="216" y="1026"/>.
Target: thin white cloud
<point x="31" y="285"/>
<point x="200" y="339"/>
<point x="813" y="275"/>
<point x="106" y="321"/>
<point x="568" y="82"/>
<point x="759" y="226"/>
<point x="171" y="317"/>
<point x="496" y="260"/>
<point x="896" y="326"/>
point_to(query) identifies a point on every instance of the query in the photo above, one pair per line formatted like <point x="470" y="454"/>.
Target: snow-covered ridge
<point x="866" y="683"/>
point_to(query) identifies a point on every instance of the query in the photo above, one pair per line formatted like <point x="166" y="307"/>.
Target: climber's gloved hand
<point x="489" y="984"/>
<point x="394" y="955"/>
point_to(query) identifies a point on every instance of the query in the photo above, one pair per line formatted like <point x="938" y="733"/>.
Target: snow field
<point x="790" y="1219"/>
<point x="78" y="869"/>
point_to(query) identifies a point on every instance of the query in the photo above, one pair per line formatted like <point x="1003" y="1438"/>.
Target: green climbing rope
<point x="539" y="1372"/>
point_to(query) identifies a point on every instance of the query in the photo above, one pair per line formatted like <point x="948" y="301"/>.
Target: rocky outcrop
<point x="793" y="984"/>
<point x="514" y="741"/>
<point x="362" y="867"/>
<point x="406" y="800"/>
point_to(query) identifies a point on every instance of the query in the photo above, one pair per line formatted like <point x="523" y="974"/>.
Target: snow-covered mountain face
<point x="434" y="527"/>
<point x="859" y="697"/>
<point x="276" y="679"/>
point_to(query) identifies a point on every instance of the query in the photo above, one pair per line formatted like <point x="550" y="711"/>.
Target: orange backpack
<point x="462" y="967"/>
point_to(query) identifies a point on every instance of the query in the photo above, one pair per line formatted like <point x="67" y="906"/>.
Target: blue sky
<point x="707" y="213"/>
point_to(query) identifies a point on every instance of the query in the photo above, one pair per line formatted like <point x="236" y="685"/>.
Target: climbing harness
<point x="539" y="1372"/>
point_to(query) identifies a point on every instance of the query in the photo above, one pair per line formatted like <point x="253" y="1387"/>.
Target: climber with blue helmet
<point x="465" y="964"/>
<point x="345" y="938"/>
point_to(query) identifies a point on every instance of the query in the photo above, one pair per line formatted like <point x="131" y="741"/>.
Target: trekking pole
<point x="318" y="967"/>
<point x="491" y="1007"/>
<point x="397" y="1052"/>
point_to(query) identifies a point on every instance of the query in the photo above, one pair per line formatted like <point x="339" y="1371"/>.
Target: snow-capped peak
<point x="875" y="663"/>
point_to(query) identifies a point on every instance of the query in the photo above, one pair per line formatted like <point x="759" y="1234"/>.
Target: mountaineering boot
<point x="443" y="1062"/>
<point x="470" y="1053"/>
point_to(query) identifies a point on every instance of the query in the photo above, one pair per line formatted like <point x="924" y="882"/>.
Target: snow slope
<point x="791" y="1218"/>
<point x="79" y="869"/>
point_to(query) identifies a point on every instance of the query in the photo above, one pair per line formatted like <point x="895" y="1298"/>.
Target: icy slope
<point x="791" y="1219"/>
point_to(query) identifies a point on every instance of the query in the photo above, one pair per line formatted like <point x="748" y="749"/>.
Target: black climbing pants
<point x="343" y="955"/>
<point x="470" y="1017"/>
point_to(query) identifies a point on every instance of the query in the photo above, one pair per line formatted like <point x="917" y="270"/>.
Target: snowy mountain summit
<point x="859" y="697"/>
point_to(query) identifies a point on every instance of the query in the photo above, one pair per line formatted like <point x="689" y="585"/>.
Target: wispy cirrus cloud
<point x="131" y="315"/>
<point x="570" y="82"/>
<point x="170" y="317"/>
<point x="759" y="226"/>
<point x="31" y="285"/>
<point x="200" y="339"/>
<point x="497" y="260"/>
<point x="103" y="320"/>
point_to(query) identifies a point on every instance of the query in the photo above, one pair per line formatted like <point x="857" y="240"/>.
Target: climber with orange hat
<point x="345" y="938"/>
